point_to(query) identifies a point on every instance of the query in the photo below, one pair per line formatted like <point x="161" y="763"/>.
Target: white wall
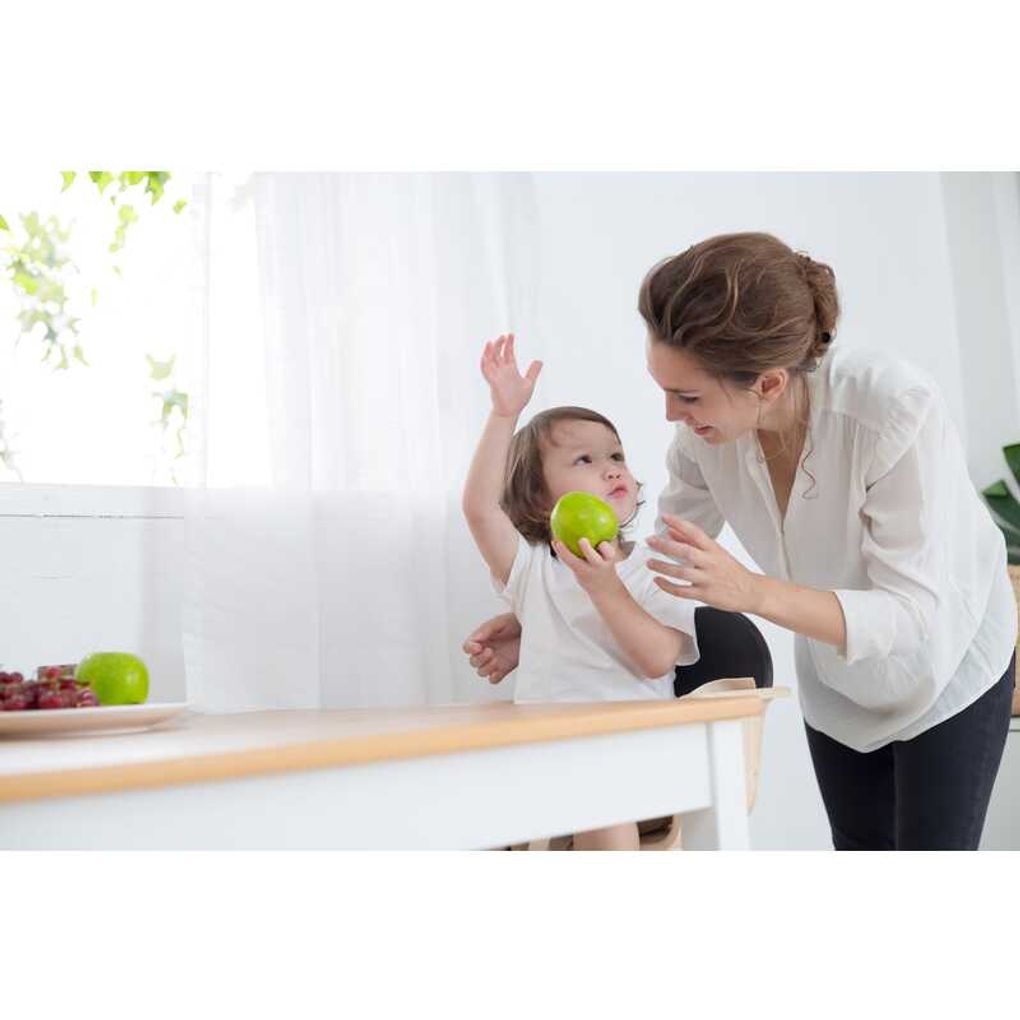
<point x="923" y="263"/>
<point x="92" y="569"/>
<point x="982" y="215"/>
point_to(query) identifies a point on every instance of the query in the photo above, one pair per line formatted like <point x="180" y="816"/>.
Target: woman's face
<point x="715" y="411"/>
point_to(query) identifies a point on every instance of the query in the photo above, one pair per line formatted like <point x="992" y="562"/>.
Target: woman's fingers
<point x="690" y="574"/>
<point x="485" y="632"/>
<point x="688" y="532"/>
<point x="671" y="568"/>
<point x="683" y="591"/>
<point x="689" y="554"/>
<point x="678" y="550"/>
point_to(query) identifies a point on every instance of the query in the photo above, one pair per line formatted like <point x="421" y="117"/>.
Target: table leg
<point x="723" y="824"/>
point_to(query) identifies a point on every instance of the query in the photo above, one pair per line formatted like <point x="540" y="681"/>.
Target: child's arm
<point x="493" y="531"/>
<point x="650" y="645"/>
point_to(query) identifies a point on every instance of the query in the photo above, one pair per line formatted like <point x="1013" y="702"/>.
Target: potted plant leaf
<point x="1006" y="511"/>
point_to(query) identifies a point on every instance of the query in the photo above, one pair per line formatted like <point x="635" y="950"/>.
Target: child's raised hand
<point x="596" y="569"/>
<point x="510" y="390"/>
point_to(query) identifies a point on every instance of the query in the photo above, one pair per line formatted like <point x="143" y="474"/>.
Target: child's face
<point x="585" y="456"/>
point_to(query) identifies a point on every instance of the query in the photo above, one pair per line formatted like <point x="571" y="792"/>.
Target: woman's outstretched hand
<point x="510" y="390"/>
<point x="495" y="647"/>
<point x="715" y="577"/>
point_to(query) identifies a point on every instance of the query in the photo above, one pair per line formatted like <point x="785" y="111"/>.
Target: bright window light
<point x="123" y="413"/>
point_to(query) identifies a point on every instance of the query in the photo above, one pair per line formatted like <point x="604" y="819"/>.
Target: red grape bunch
<point x="53" y="687"/>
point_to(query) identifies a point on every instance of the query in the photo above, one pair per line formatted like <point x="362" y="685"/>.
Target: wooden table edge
<point x="507" y="728"/>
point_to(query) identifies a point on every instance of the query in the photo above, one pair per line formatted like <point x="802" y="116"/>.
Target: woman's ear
<point x="771" y="383"/>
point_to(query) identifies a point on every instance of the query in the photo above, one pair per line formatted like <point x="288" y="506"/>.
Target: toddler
<point x="594" y="627"/>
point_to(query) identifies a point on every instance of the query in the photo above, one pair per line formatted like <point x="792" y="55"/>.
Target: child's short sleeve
<point x="674" y="612"/>
<point x="513" y="591"/>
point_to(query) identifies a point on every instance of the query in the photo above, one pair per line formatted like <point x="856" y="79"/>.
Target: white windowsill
<point x="63" y="501"/>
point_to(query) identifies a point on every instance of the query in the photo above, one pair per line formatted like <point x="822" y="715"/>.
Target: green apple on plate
<point x="117" y="678"/>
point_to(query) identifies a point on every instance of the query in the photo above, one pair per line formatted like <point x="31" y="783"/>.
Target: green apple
<point x="118" y="678"/>
<point x="580" y="515"/>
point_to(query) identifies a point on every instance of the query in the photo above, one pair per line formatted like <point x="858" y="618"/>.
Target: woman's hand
<point x="596" y="570"/>
<point x="495" y="647"/>
<point x="510" y="390"/>
<point x="717" y="579"/>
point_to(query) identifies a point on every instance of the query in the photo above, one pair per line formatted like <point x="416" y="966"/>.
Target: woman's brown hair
<point x="742" y="303"/>
<point x="526" y="498"/>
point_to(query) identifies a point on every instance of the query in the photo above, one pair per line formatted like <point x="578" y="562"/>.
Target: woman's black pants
<point x="927" y="793"/>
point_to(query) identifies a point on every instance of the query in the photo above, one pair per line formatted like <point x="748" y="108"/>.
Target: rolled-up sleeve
<point x="904" y="535"/>
<point x="686" y="495"/>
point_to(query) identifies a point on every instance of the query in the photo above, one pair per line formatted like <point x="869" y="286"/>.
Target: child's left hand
<point x="596" y="571"/>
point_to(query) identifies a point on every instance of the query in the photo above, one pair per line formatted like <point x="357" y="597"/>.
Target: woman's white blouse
<point x="882" y="513"/>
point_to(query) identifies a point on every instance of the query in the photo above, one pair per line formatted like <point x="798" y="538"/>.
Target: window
<point x="102" y="325"/>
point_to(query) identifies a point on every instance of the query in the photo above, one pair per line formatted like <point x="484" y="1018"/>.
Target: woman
<point x="843" y="476"/>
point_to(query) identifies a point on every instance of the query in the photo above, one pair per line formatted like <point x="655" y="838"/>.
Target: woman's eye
<point x="686" y="400"/>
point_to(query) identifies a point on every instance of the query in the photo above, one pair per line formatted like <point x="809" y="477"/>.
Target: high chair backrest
<point x="730" y="646"/>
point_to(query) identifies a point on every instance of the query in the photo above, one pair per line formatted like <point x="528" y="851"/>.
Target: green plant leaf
<point x="1012" y="455"/>
<point x="101" y="179"/>
<point x="3" y="224"/>
<point x="68" y="176"/>
<point x="155" y="182"/>
<point x="1002" y="503"/>
<point x="159" y="370"/>
<point x="29" y="284"/>
<point x="1012" y="535"/>
<point x="180" y="204"/>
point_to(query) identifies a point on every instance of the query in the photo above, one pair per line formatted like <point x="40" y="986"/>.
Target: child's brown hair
<point x="526" y="498"/>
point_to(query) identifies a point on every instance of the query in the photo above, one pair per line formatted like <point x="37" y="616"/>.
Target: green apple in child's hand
<point x="580" y="515"/>
<point x="118" y="678"/>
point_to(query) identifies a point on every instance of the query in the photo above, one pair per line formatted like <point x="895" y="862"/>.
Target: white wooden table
<point x="424" y="778"/>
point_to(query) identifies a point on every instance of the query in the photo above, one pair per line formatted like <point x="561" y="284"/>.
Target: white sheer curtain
<point x="344" y="576"/>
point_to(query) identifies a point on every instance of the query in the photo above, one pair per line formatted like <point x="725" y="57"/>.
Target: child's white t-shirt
<point x="568" y="652"/>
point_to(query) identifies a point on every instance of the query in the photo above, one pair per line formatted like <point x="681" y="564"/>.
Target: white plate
<point x="104" y="719"/>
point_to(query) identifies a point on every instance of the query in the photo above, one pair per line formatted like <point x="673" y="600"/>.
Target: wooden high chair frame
<point x="734" y="659"/>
